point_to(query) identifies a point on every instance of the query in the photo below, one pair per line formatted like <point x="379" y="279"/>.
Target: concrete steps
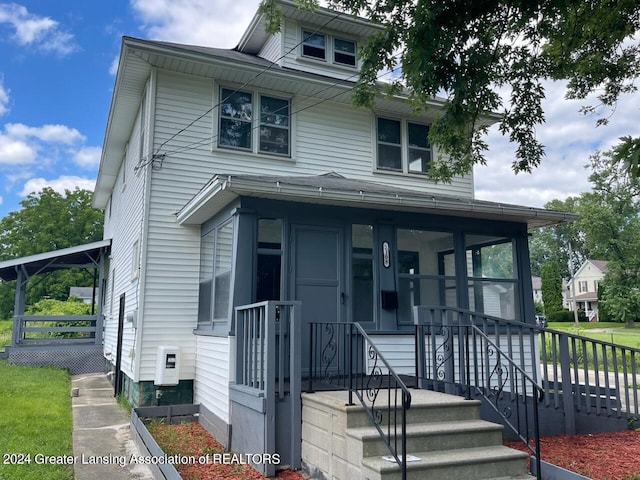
<point x="446" y="439"/>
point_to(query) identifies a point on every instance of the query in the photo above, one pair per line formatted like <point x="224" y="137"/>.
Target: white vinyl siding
<point x="272" y="49"/>
<point x="212" y="373"/>
<point x="123" y="226"/>
<point x="329" y="136"/>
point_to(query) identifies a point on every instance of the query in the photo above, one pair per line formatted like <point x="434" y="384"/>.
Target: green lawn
<point x="35" y="421"/>
<point x="5" y="333"/>
<point x="615" y="332"/>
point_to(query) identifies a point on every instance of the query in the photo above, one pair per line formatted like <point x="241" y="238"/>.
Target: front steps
<point x="444" y="433"/>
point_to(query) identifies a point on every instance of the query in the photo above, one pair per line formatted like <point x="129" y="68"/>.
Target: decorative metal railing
<point x="469" y="353"/>
<point x="341" y="355"/>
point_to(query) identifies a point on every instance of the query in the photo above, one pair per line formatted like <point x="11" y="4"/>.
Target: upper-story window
<point x="314" y="45"/>
<point x="320" y="46"/>
<point x="403" y="146"/>
<point x="237" y="122"/>
<point x="344" y="52"/>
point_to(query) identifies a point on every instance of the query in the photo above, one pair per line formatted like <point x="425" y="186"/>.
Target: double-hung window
<point x="328" y="48"/>
<point x="314" y="45"/>
<point x="238" y="122"/>
<point x="403" y="146"/>
<point x="236" y="113"/>
<point x="344" y="52"/>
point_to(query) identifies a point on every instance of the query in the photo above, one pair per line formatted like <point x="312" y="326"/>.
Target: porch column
<point x="18" y="307"/>
<point x="386" y="275"/>
<point x="525" y="293"/>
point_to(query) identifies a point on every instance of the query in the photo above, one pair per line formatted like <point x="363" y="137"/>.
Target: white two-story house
<point x="230" y="177"/>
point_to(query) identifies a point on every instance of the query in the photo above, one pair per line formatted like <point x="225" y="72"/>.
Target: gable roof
<point x="334" y="189"/>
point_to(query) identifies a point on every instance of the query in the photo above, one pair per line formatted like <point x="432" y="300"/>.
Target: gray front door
<point x="317" y="268"/>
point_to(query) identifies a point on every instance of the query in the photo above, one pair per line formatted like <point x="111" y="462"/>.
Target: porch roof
<point x="334" y="189"/>
<point x="78" y="256"/>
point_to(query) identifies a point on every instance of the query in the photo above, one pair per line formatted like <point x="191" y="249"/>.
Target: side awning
<point x="86" y="256"/>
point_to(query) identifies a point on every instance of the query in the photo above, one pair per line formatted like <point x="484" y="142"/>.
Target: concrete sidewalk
<point x="102" y="443"/>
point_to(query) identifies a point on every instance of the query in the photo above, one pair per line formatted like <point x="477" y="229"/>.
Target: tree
<point x="551" y="287"/>
<point x="468" y="51"/>
<point x="48" y="221"/>
<point x="610" y="220"/>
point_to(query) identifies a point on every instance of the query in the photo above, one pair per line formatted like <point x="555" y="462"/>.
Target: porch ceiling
<point x="79" y="256"/>
<point x="334" y="189"/>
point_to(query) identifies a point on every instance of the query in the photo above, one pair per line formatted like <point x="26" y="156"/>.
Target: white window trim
<point x="404" y="146"/>
<point x="329" y="48"/>
<point x="254" y="151"/>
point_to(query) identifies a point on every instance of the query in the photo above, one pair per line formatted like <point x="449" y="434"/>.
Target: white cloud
<point x="197" y="22"/>
<point x="15" y="152"/>
<point x="31" y="30"/>
<point x="47" y="133"/>
<point x="4" y="99"/>
<point x="88" y="157"/>
<point x="569" y="139"/>
<point x="60" y="184"/>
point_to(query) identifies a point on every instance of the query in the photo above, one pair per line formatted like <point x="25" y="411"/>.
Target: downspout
<point x="146" y="195"/>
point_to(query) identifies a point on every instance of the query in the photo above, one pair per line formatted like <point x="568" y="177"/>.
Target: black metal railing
<point x="342" y="356"/>
<point x="479" y="356"/>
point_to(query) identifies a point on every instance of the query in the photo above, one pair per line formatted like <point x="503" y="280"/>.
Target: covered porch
<point x="69" y="341"/>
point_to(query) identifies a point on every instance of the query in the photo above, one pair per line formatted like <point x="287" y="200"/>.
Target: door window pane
<point x="362" y="273"/>
<point x="269" y="267"/>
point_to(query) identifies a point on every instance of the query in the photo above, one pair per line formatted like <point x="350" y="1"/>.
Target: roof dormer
<point x="322" y="41"/>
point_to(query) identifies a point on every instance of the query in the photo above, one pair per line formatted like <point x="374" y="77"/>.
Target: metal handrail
<point x="491" y="378"/>
<point x="340" y="349"/>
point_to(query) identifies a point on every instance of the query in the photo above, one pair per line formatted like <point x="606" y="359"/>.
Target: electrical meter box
<point x="167" y="366"/>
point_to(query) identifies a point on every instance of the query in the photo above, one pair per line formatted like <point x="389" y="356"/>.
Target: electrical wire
<point x="264" y="70"/>
<point x="205" y="141"/>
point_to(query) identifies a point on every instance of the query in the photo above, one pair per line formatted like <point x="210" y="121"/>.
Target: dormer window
<point x="328" y="48"/>
<point x="314" y="45"/>
<point x="344" y="52"/>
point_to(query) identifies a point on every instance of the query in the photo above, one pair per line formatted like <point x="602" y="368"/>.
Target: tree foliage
<point x="551" y="287"/>
<point x="48" y="221"/>
<point x="469" y="51"/>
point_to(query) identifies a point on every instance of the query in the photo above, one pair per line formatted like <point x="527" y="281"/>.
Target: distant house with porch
<point x="582" y="289"/>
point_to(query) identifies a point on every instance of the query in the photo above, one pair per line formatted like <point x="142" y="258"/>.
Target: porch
<point x="73" y="342"/>
<point x="479" y="379"/>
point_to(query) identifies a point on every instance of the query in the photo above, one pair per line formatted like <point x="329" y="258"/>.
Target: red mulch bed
<point x="599" y="456"/>
<point x="192" y="440"/>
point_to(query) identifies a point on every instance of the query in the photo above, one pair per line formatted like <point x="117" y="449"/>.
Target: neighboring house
<point x="536" y="285"/>
<point x="83" y="294"/>
<point x="583" y="288"/>
<point x="230" y="177"/>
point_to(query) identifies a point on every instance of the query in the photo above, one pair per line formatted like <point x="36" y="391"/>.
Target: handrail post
<point x="567" y="388"/>
<point x="349" y="328"/>
<point x="420" y="348"/>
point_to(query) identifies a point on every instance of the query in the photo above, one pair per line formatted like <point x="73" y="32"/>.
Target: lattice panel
<point x="76" y="361"/>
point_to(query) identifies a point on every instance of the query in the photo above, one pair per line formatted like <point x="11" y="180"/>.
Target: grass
<point x="616" y="332"/>
<point x="35" y="422"/>
<point x="5" y="333"/>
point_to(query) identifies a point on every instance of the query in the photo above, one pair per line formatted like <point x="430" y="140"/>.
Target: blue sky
<point x="57" y="66"/>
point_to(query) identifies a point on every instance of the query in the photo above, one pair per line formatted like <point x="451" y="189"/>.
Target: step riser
<point x="417" y="414"/>
<point x="431" y="443"/>
<point x="476" y="471"/>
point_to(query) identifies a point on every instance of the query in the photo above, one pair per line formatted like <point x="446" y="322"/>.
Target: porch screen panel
<point x="222" y="270"/>
<point x="425" y="270"/>
<point x="362" y="273"/>
<point x="493" y="277"/>
<point x="206" y="279"/>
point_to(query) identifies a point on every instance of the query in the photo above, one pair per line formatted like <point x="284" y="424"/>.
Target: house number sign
<point x="386" y="255"/>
